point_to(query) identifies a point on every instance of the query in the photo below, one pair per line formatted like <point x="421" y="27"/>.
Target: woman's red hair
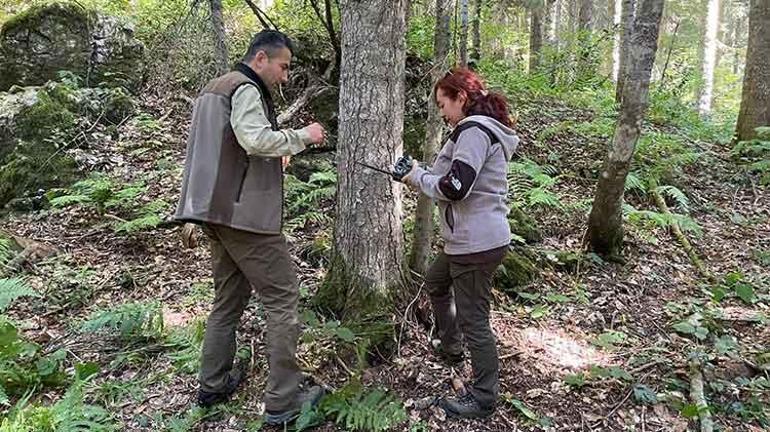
<point x="479" y="102"/>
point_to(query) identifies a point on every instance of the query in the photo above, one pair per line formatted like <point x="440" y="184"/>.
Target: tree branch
<point x="261" y="16"/>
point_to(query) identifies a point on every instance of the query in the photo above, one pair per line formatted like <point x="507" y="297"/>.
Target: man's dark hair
<point x="269" y="41"/>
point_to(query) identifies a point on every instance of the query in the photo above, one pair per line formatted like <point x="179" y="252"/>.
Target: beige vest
<point x="222" y="184"/>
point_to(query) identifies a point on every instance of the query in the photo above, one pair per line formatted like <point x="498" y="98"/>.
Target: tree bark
<point x="463" y="43"/>
<point x="627" y="22"/>
<point x="220" y="39"/>
<point x="585" y="14"/>
<point x="755" y="100"/>
<point x="367" y="256"/>
<point x="475" y="56"/>
<point x="423" y="225"/>
<point x="616" y="30"/>
<point x="605" y="228"/>
<point x="709" y="57"/>
<point x="535" y="37"/>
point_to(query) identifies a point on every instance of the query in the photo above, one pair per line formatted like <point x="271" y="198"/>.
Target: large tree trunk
<point x="755" y="100"/>
<point x="535" y="37"/>
<point x="463" y="43"/>
<point x="476" y="33"/>
<point x="628" y="13"/>
<point x="367" y="235"/>
<point x="423" y="225"/>
<point x="709" y="56"/>
<point x="220" y="41"/>
<point x="605" y="228"/>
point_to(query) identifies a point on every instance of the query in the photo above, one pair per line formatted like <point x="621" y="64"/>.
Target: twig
<point x="686" y="245"/>
<point x="404" y="320"/>
<point x="696" y="394"/>
<point x="628" y="395"/>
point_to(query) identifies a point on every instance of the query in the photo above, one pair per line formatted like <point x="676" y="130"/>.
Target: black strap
<point x="471" y="124"/>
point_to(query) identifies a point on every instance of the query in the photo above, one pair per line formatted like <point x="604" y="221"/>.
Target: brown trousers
<point x="242" y="260"/>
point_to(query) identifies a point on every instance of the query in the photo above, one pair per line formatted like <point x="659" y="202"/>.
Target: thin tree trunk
<point x="605" y="228"/>
<point x="709" y="57"/>
<point x="736" y="44"/>
<point x="585" y="15"/>
<point x="670" y="50"/>
<point x="627" y="21"/>
<point x="755" y="100"/>
<point x="558" y="4"/>
<point x="220" y="39"/>
<point x="367" y="255"/>
<point x="476" y="33"/>
<point x="423" y="226"/>
<point x="535" y="37"/>
<point x="616" y="16"/>
<point x="463" y="44"/>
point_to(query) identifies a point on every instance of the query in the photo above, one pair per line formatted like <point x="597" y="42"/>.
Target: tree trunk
<point x="220" y="41"/>
<point x="463" y="44"/>
<point x="755" y="100"/>
<point x="605" y="228"/>
<point x="627" y="22"/>
<point x="423" y="224"/>
<point x="616" y="16"/>
<point x="476" y="33"/>
<point x="709" y="56"/>
<point x="585" y="15"/>
<point x="557" y="24"/>
<point x="535" y="37"/>
<point x="367" y="257"/>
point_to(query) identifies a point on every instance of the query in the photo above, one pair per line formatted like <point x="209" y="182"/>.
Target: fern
<point x="634" y="182"/>
<point x="676" y="194"/>
<point x="148" y="217"/>
<point x="529" y="184"/>
<point x="132" y="321"/>
<point x="13" y="288"/>
<point x="661" y="220"/>
<point x="355" y="410"/>
<point x="6" y="250"/>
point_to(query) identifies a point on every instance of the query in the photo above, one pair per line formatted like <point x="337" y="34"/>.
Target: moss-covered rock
<point x="523" y="225"/>
<point x="517" y="270"/>
<point x="39" y="43"/>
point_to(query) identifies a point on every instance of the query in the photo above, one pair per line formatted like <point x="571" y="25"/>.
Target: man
<point x="233" y="186"/>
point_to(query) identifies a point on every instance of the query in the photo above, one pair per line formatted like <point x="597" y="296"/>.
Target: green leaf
<point x="717" y="294"/>
<point x="684" y="327"/>
<point x="645" y="395"/>
<point x="701" y="333"/>
<point x="575" y="380"/>
<point x="609" y="339"/>
<point x="745" y="292"/>
<point x="725" y="344"/>
<point x="83" y="371"/>
<point x="539" y="311"/>
<point x="528" y="296"/>
<point x="732" y="278"/>
<point x="345" y="334"/>
<point x="620" y="373"/>
<point x="557" y="298"/>
<point x="528" y="413"/>
<point x="4" y="397"/>
<point x="689" y="411"/>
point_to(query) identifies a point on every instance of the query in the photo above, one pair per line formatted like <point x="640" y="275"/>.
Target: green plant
<point x="306" y="199"/>
<point x="755" y="154"/>
<point x="132" y="321"/>
<point x="147" y="217"/>
<point x="13" y="288"/>
<point x="530" y="184"/>
<point x="356" y="408"/>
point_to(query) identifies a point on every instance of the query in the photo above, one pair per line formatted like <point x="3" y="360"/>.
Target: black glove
<point x="403" y="166"/>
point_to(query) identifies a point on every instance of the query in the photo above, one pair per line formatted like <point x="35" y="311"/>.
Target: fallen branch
<point x="686" y="245"/>
<point x="309" y="94"/>
<point x="697" y="397"/>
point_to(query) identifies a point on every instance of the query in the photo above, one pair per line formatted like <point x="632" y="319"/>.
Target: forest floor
<point x="590" y="347"/>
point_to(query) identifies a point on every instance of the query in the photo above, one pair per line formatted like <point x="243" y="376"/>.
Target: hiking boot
<point x="452" y="359"/>
<point x="235" y="377"/>
<point x="312" y="395"/>
<point x="465" y="407"/>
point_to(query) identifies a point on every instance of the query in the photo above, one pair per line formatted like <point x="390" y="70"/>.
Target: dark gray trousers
<point x="461" y="294"/>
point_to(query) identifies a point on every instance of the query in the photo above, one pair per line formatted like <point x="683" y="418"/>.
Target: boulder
<point x="35" y="45"/>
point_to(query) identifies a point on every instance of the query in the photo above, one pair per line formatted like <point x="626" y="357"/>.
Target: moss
<point x="524" y="226"/>
<point x="364" y="309"/>
<point x="517" y="270"/>
<point x="118" y="105"/>
<point x="36" y="161"/>
<point x="35" y="14"/>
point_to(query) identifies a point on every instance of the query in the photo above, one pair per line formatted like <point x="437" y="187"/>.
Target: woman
<point x="468" y="181"/>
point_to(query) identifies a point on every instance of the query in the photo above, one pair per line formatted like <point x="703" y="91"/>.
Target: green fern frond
<point x="12" y="289"/>
<point x="675" y="194"/>
<point x="373" y="411"/>
<point x="6" y="250"/>
<point x="634" y="182"/>
<point x="131" y="321"/>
